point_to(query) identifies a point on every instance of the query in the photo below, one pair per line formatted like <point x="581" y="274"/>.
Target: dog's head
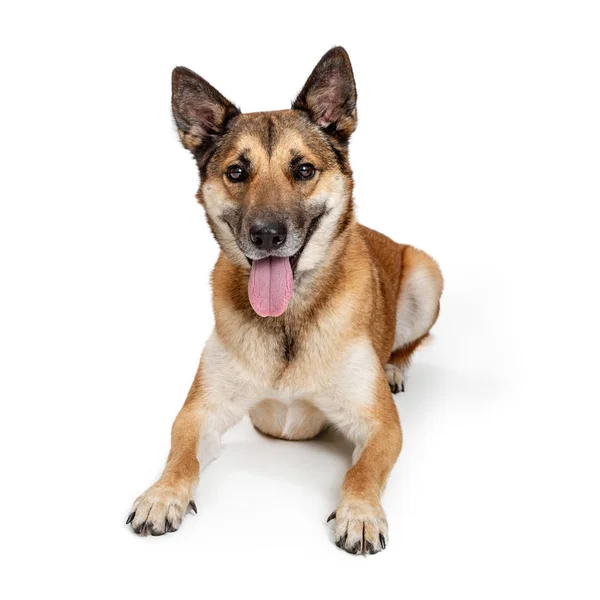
<point x="276" y="186"/>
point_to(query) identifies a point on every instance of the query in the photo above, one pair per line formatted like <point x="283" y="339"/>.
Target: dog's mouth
<point x="271" y="282"/>
<point x="295" y="258"/>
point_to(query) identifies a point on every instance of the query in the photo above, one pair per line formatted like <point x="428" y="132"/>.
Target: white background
<point x="478" y="141"/>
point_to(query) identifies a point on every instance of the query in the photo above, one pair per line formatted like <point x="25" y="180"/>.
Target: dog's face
<point x="276" y="186"/>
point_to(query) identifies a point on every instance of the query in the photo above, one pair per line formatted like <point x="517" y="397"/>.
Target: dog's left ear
<point x="329" y="95"/>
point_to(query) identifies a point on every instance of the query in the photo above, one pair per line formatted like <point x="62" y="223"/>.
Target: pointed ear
<point x="329" y="95"/>
<point x="200" y="111"/>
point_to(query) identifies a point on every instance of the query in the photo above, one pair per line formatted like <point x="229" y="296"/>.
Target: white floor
<point x="489" y="497"/>
<point x="494" y="495"/>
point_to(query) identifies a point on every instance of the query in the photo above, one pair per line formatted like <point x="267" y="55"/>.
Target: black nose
<point x="268" y="236"/>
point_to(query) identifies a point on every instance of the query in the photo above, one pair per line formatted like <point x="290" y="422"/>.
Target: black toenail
<point x="130" y="518"/>
<point x="331" y="516"/>
<point x="382" y="541"/>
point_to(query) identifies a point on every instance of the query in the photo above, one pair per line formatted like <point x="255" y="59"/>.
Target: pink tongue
<point x="270" y="286"/>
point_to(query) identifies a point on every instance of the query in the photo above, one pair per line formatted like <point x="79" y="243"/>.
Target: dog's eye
<point x="305" y="171"/>
<point x="236" y="173"/>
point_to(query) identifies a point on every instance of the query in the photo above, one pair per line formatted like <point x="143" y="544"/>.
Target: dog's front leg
<point x="361" y="526"/>
<point x="161" y="508"/>
<point x="208" y="411"/>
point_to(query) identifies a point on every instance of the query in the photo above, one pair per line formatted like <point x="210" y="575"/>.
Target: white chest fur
<point x="335" y="382"/>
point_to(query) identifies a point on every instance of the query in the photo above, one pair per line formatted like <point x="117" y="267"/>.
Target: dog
<point x="316" y="316"/>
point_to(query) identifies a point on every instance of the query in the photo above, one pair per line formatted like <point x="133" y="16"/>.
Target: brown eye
<point x="305" y="171"/>
<point x="236" y="173"/>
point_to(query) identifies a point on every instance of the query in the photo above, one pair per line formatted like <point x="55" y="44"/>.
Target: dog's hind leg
<point x="398" y="363"/>
<point x="299" y="420"/>
<point x="417" y="310"/>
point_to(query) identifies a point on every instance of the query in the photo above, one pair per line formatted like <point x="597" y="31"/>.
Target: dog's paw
<point x="395" y="377"/>
<point x="160" y="509"/>
<point x="360" y="527"/>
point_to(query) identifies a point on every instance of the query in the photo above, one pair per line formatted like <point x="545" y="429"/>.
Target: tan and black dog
<point x="316" y="316"/>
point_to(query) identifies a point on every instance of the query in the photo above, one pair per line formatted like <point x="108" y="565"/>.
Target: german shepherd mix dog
<point x="316" y="316"/>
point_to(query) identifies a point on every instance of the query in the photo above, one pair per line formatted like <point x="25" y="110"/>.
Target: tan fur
<point x="361" y="305"/>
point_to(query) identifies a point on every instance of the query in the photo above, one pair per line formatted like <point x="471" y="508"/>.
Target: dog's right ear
<point x="200" y="111"/>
